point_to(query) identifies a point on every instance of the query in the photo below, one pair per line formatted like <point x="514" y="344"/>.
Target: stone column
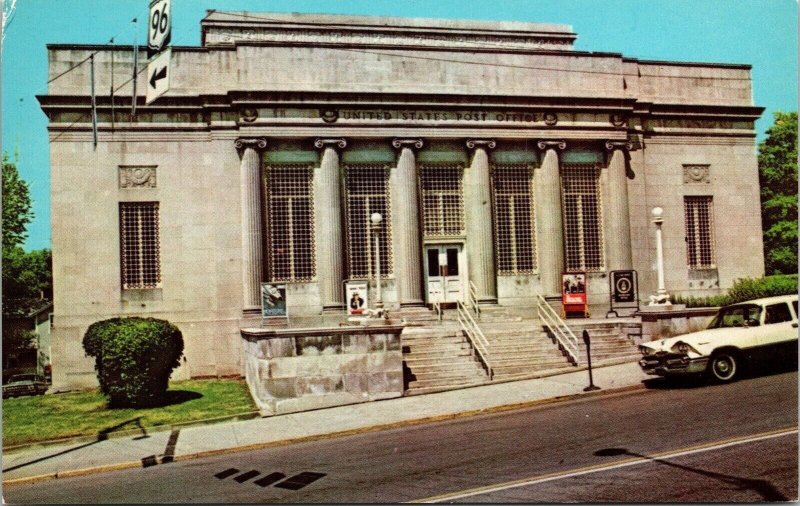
<point x="328" y="225"/>
<point x="406" y="236"/>
<point x="616" y="220"/>
<point x="252" y="255"/>
<point x="549" y="224"/>
<point x="479" y="225"/>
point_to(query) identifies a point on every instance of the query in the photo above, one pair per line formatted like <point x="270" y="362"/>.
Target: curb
<point x="317" y="437"/>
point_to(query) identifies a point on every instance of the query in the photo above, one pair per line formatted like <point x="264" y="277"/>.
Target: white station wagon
<point x="739" y="334"/>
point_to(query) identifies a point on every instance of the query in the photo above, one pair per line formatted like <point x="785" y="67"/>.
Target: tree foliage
<point x="17" y="211"/>
<point x="777" y="168"/>
<point x="27" y="275"/>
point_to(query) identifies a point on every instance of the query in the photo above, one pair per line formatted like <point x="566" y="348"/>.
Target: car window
<point x="777" y="313"/>
<point x="794" y="305"/>
<point x="735" y="316"/>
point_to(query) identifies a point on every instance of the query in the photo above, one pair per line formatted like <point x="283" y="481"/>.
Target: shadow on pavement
<point x="101" y="436"/>
<point x="764" y="488"/>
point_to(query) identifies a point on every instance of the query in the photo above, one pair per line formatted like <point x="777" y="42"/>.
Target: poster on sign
<point x="273" y="300"/>
<point x="573" y="293"/>
<point x="356" y="292"/>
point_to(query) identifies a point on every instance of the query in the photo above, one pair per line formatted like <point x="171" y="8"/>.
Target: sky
<point x="762" y="33"/>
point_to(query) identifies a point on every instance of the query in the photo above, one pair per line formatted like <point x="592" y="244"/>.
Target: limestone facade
<point x="494" y="149"/>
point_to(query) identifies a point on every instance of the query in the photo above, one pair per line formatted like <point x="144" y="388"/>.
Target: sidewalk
<point x="156" y="448"/>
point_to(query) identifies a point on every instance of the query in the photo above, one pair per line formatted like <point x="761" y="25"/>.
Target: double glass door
<point x="444" y="274"/>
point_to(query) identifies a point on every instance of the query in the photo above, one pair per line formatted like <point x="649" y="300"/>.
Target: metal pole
<point x="586" y="341"/>
<point x="379" y="298"/>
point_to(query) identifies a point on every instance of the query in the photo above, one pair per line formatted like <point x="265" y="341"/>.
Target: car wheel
<point x="724" y="366"/>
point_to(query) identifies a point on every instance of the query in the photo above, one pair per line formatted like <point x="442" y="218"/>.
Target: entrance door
<point x="444" y="277"/>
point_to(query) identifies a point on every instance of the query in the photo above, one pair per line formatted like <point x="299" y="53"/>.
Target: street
<point x="681" y="442"/>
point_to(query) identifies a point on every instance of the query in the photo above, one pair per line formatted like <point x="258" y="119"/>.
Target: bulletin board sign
<point x="273" y="300"/>
<point x="623" y="291"/>
<point x="356" y="292"/>
<point x="573" y="294"/>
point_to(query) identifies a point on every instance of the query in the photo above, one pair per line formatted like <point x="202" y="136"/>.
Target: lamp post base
<point x="591" y="388"/>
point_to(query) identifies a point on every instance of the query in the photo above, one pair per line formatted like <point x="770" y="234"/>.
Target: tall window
<point x="513" y="219"/>
<point x="367" y="189"/>
<point x="699" y="232"/>
<point x="583" y="224"/>
<point x="442" y="200"/>
<point x="139" y="245"/>
<point x="291" y="222"/>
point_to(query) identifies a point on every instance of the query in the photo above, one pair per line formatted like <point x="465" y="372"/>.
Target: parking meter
<point x="587" y="342"/>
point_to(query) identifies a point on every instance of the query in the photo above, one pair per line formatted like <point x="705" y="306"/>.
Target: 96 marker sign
<point x="159" y="26"/>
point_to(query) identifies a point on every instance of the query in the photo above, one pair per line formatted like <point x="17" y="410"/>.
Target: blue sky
<point x="762" y="33"/>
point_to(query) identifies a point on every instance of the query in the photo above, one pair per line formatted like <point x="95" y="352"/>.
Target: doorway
<point x="444" y="273"/>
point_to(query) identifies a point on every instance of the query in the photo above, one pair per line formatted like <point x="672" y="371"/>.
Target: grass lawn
<point x="46" y="417"/>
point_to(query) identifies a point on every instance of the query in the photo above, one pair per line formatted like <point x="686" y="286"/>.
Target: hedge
<point x="134" y="358"/>
<point x="745" y="289"/>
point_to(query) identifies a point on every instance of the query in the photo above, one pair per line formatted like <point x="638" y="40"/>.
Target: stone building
<point x="498" y="156"/>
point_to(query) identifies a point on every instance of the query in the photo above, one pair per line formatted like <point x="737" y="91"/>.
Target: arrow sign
<point x="158" y="75"/>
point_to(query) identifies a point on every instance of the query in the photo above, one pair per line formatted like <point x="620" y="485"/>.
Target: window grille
<point x="139" y="245"/>
<point x="367" y="192"/>
<point x="699" y="232"/>
<point x="442" y="200"/>
<point x="583" y="220"/>
<point x="291" y="222"/>
<point x="515" y="246"/>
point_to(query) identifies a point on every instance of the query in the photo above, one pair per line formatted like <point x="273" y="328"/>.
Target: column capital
<point x="407" y="143"/>
<point x="544" y="145"/>
<point x="481" y="143"/>
<point x="334" y="143"/>
<point x="257" y="143"/>
<point x="612" y="145"/>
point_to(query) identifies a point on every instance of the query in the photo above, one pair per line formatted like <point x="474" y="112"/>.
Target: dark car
<point x="24" y="384"/>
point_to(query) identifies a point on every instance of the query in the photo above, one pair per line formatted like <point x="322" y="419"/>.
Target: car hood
<point x="697" y="339"/>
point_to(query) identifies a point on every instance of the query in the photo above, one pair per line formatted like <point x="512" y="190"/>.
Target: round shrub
<point x="134" y="358"/>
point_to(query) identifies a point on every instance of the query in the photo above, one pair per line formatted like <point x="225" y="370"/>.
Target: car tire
<point x="724" y="366"/>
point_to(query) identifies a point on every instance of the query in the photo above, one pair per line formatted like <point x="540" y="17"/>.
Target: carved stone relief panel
<point x="137" y="176"/>
<point x="694" y="174"/>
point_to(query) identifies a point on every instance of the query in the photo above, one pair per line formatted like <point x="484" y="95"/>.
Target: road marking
<point x="560" y="475"/>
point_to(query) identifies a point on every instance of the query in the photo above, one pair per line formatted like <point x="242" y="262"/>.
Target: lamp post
<point x="661" y="297"/>
<point x="376" y="219"/>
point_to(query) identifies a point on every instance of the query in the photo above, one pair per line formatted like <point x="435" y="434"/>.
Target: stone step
<point x="447" y="383"/>
<point x="411" y="358"/>
<point x="421" y="390"/>
<point x="533" y="374"/>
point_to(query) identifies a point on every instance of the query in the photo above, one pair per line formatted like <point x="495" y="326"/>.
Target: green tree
<point x="27" y="275"/>
<point x="777" y="170"/>
<point x="17" y="211"/>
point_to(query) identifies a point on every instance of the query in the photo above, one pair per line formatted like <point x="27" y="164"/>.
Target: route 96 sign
<point x="159" y="26"/>
<point x="623" y="286"/>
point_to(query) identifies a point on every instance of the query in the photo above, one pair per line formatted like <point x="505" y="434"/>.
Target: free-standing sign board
<point x="356" y="292"/>
<point x="623" y="290"/>
<point x="273" y="300"/>
<point x="573" y="294"/>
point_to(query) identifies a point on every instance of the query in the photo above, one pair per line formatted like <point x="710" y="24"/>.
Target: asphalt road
<point x="678" y="443"/>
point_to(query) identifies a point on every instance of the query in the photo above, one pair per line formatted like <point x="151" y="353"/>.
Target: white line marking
<point x="594" y="469"/>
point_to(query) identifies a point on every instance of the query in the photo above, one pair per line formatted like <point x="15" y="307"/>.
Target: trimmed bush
<point x="746" y="289"/>
<point x="134" y="358"/>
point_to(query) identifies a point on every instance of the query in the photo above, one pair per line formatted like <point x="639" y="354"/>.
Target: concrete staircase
<point x="437" y="358"/>
<point x="612" y="342"/>
<point x="520" y="349"/>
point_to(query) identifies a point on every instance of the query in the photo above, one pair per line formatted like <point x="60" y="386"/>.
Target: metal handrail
<point x="478" y="341"/>
<point x="437" y="306"/>
<point x="473" y="299"/>
<point x="558" y="328"/>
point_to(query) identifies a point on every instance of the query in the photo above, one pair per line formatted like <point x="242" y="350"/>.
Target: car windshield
<point x="736" y="316"/>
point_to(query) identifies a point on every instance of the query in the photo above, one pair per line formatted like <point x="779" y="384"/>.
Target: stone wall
<point x="662" y="324"/>
<point x="291" y="370"/>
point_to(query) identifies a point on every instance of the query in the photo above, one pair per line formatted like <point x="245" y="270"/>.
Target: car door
<point x="778" y="334"/>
